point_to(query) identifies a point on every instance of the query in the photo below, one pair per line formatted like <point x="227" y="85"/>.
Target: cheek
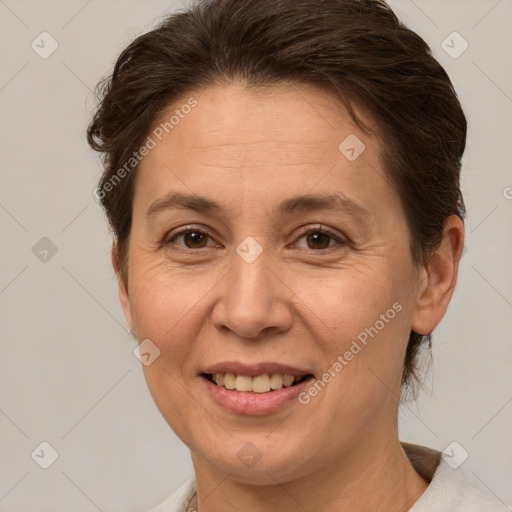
<point x="360" y="321"/>
<point x="347" y="302"/>
<point x="362" y="351"/>
<point x="166" y="302"/>
<point x="168" y="308"/>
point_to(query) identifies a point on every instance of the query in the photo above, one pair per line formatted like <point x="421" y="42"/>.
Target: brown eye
<point x="318" y="240"/>
<point x="191" y="239"/>
<point x="195" y="239"/>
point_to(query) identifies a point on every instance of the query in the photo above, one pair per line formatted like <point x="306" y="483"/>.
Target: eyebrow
<point x="307" y="202"/>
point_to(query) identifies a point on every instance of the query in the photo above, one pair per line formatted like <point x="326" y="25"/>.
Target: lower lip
<point x="255" y="403"/>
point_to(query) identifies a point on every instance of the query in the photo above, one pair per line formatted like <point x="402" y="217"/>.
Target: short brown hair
<point x="357" y="48"/>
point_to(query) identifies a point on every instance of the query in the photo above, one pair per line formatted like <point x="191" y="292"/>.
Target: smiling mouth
<point x="263" y="383"/>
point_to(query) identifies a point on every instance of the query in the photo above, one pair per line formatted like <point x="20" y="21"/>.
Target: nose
<point x="254" y="301"/>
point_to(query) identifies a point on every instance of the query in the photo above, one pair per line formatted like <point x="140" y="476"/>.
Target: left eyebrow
<point x="308" y="202"/>
<point x="333" y="202"/>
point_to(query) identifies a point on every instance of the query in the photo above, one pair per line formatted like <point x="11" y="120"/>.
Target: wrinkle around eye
<point x="335" y="241"/>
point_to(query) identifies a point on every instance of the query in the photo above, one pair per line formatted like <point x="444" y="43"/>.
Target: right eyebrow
<point x="185" y="201"/>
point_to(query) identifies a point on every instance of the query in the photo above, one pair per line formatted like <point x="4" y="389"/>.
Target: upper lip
<point x="255" y="369"/>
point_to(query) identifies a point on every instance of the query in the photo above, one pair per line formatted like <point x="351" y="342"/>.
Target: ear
<point x="438" y="278"/>
<point x="124" y="298"/>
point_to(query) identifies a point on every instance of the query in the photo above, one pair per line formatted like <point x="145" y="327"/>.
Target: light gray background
<point x="67" y="372"/>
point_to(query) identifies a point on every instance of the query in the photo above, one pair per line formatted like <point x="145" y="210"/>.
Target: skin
<point x="298" y="303"/>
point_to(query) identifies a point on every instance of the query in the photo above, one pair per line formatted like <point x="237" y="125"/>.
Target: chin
<point x="256" y="460"/>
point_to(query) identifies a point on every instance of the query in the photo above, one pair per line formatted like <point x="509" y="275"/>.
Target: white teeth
<point x="288" y="380"/>
<point x="243" y="383"/>
<point x="276" y="381"/>
<point x="229" y="381"/>
<point x="259" y="384"/>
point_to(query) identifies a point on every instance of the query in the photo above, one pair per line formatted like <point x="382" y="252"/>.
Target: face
<point x="292" y="257"/>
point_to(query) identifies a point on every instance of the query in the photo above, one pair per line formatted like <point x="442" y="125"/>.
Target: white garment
<point x="449" y="490"/>
<point x="177" y="502"/>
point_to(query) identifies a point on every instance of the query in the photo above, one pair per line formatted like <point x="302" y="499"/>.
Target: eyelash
<point x="303" y="232"/>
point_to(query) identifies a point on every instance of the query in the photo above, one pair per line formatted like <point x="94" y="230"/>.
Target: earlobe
<point x="124" y="297"/>
<point x="438" y="278"/>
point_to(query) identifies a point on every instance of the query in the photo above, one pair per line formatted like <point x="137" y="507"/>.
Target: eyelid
<point x="319" y="228"/>
<point x="167" y="240"/>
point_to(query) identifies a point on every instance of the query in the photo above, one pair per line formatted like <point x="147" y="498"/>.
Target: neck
<point x="379" y="477"/>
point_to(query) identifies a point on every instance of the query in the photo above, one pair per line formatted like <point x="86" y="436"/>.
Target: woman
<point x="282" y="182"/>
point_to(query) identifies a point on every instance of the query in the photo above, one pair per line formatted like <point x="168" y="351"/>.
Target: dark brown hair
<point x="356" y="48"/>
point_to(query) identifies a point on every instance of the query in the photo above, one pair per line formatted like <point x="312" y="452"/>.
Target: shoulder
<point x="450" y="490"/>
<point x="177" y="502"/>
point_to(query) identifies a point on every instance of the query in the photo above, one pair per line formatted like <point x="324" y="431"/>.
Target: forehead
<point x="289" y="117"/>
<point x="289" y="138"/>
